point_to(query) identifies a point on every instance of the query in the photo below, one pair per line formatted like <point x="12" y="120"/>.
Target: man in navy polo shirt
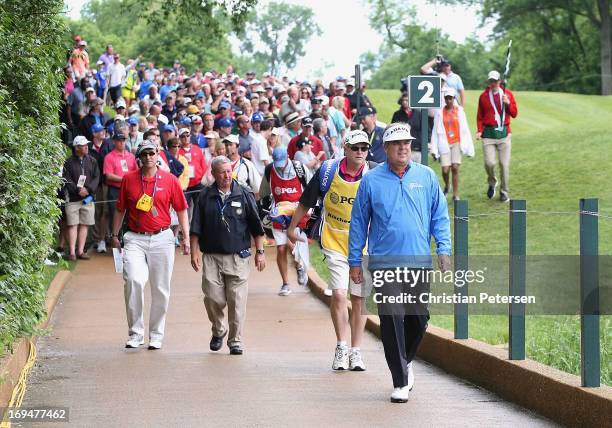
<point x="375" y="135"/>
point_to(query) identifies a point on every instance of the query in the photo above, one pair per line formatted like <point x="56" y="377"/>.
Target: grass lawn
<point x="562" y="151"/>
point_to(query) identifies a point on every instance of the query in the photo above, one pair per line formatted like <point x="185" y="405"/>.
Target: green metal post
<point x="461" y="263"/>
<point x="518" y="244"/>
<point x="589" y="293"/>
<point x="424" y="137"/>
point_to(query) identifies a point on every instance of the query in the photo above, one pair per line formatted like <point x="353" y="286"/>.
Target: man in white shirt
<point x="243" y="170"/>
<point x="115" y="74"/>
<point x="259" y="149"/>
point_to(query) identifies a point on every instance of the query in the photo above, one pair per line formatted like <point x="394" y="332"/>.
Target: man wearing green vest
<point x="336" y="183"/>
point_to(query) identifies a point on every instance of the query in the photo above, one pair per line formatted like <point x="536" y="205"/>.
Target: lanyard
<point x="499" y="119"/>
<point x="82" y="168"/>
<point x="154" y="185"/>
<point x="451" y="117"/>
<point x="221" y="208"/>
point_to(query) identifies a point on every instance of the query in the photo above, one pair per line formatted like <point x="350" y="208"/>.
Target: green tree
<point x="31" y="155"/>
<point x="159" y="34"/>
<point x="408" y="45"/>
<point x="565" y="45"/>
<point x="277" y="36"/>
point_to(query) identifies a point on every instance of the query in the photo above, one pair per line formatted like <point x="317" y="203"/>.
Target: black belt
<point x="155" y="232"/>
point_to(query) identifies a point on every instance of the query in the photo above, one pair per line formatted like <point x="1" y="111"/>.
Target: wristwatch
<point x="260" y="251"/>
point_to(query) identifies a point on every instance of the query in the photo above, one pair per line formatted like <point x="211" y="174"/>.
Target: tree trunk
<point x="605" y="36"/>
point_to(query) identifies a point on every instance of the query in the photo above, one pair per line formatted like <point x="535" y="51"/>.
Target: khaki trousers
<point x="225" y="283"/>
<point x="147" y="258"/>
<point x="99" y="229"/>
<point x="491" y="148"/>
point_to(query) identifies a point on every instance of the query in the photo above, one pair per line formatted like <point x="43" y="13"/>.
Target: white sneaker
<point x="400" y="395"/>
<point x="155" y="344"/>
<point x="301" y="276"/>
<point x="341" y="358"/>
<point x="356" y="363"/>
<point x="134" y="341"/>
<point x="101" y="246"/>
<point x="410" y="376"/>
<point x="284" y="290"/>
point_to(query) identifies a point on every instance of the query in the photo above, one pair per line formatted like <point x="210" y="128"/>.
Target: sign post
<point x="424" y="92"/>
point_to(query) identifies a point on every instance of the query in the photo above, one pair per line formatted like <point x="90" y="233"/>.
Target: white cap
<point x="397" y="131"/>
<point x="324" y="99"/>
<point x="350" y="82"/>
<point x="494" y="75"/>
<point x="120" y="103"/>
<point x="231" y="138"/>
<point x="119" y="117"/>
<point x="276" y="131"/>
<point x="356" y="136"/>
<point x="183" y="131"/>
<point x="449" y="92"/>
<point x="163" y="119"/>
<point x="80" y="140"/>
<point x="340" y="85"/>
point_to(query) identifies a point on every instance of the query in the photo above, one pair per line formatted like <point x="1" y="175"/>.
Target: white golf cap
<point x="183" y="131"/>
<point x="120" y="103"/>
<point x="350" y="82"/>
<point x="231" y="138"/>
<point x="163" y="119"/>
<point x="449" y="92"/>
<point x="494" y="75"/>
<point x="396" y="132"/>
<point x="356" y="136"/>
<point x="80" y="140"/>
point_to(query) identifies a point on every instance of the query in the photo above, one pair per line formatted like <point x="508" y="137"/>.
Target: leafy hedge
<point x="31" y="154"/>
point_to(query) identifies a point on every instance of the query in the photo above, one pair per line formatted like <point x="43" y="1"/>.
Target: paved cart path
<point x="284" y="377"/>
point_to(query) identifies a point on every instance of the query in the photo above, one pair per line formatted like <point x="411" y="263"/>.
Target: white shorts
<point x="280" y="236"/>
<point x="340" y="278"/>
<point x="452" y="157"/>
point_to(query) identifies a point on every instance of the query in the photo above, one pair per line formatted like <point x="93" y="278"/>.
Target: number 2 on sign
<point x="427" y="96"/>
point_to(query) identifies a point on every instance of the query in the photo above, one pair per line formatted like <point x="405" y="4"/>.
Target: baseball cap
<point x="89" y="89"/>
<point x="397" y="131"/>
<point x="224" y="104"/>
<point x="185" y="121"/>
<point x="195" y="119"/>
<point x="184" y="131"/>
<point x="449" y="92"/>
<point x="133" y="109"/>
<point x="494" y="75"/>
<point x="231" y="138"/>
<point x="324" y="99"/>
<point x="119" y="136"/>
<point x="264" y="100"/>
<point x="307" y="121"/>
<point x="212" y="135"/>
<point x="146" y="145"/>
<point x="279" y="156"/>
<point x="276" y="131"/>
<point x="356" y="136"/>
<point x="120" y="103"/>
<point x="82" y="43"/>
<point x="192" y="109"/>
<point x="292" y="117"/>
<point x="168" y="128"/>
<point x="350" y="82"/>
<point x="224" y="123"/>
<point x="163" y="119"/>
<point x="340" y="85"/>
<point x="302" y="142"/>
<point x="366" y="111"/>
<point x="132" y="120"/>
<point x="257" y="117"/>
<point x="96" y="127"/>
<point x="80" y="140"/>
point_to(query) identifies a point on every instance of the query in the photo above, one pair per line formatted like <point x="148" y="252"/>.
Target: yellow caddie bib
<point x="337" y="206"/>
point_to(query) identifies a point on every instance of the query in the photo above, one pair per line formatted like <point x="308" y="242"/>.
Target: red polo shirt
<point x="119" y="164"/>
<point x="168" y="193"/>
<point x="197" y="163"/>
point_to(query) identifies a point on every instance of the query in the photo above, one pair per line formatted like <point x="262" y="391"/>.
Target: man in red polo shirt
<point x="197" y="164"/>
<point x="495" y="107"/>
<point x="317" y="145"/>
<point x="117" y="164"/>
<point x="147" y="195"/>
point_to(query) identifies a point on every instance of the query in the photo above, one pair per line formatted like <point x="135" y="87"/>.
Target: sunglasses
<point x="359" y="148"/>
<point x="147" y="154"/>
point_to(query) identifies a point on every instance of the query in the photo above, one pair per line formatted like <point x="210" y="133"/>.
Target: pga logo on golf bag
<point x="282" y="190"/>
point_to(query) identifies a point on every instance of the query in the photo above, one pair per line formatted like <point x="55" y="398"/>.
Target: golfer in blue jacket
<point x="398" y="208"/>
